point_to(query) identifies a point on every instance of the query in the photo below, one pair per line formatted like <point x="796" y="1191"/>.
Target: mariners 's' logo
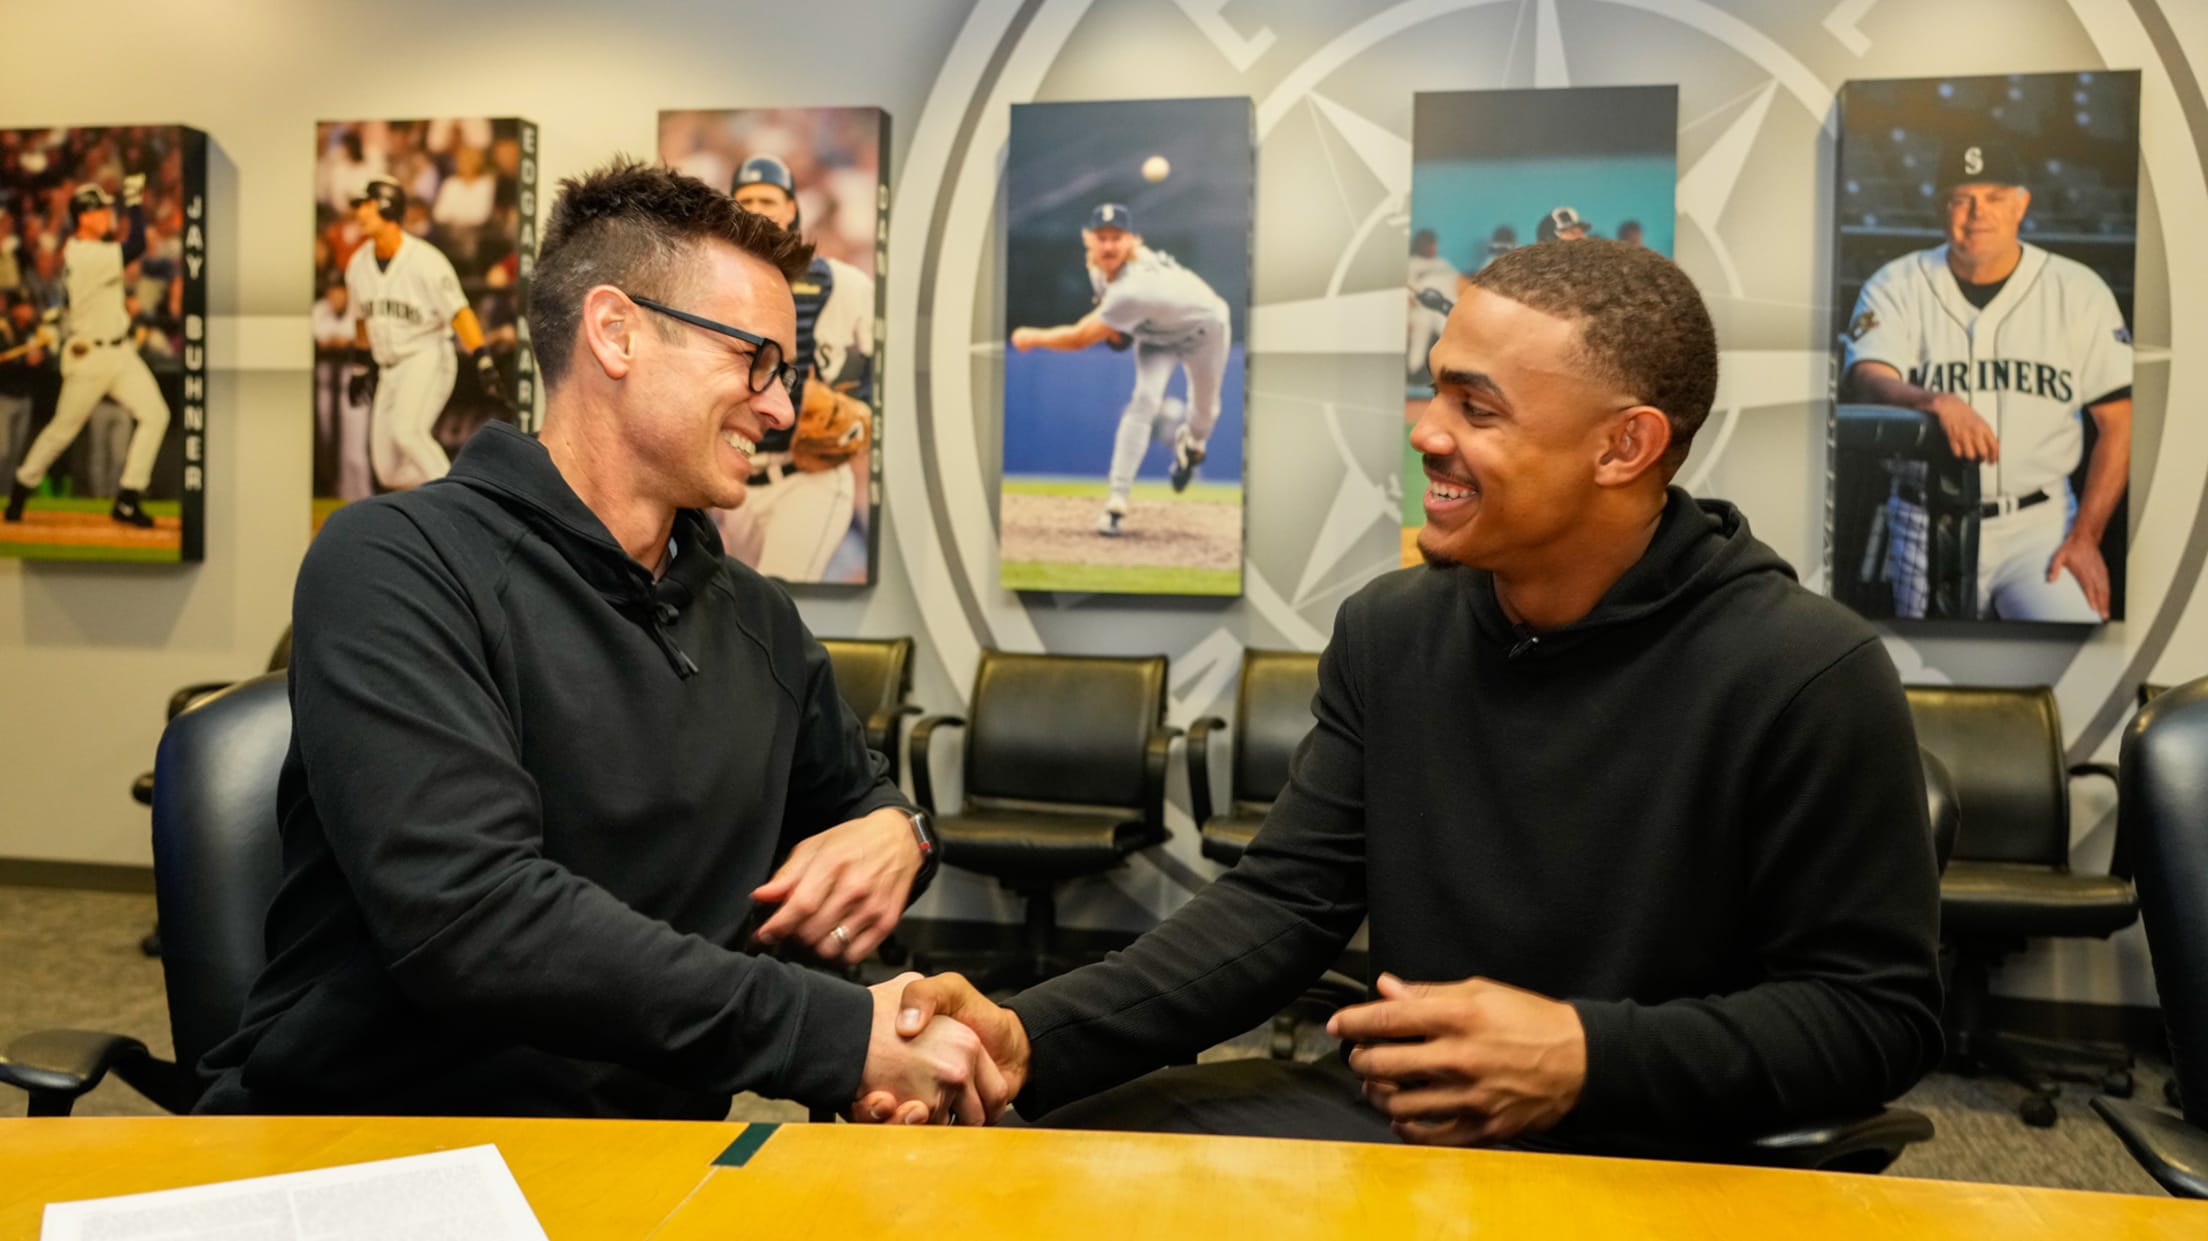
<point x="2123" y="336"/>
<point x="1863" y="323"/>
<point x="1974" y="161"/>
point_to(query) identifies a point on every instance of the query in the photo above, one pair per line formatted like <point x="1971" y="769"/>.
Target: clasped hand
<point x="945" y="1012"/>
<point x="1465" y="1063"/>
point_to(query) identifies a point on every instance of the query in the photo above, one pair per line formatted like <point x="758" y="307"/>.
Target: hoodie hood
<point x="514" y="469"/>
<point x="1700" y="547"/>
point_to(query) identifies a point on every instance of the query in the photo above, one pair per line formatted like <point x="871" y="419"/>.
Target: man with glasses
<point x="560" y="771"/>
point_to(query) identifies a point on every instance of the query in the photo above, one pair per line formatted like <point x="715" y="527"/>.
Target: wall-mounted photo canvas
<point x="1127" y="291"/>
<point x="424" y="243"/>
<point x="811" y="513"/>
<point x="1981" y="443"/>
<point x="1493" y="170"/>
<point x="103" y="343"/>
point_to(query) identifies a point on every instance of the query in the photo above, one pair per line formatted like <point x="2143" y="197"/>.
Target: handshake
<point x="940" y="1052"/>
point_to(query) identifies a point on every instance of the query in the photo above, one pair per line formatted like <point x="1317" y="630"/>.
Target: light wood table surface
<point x="592" y="1179"/>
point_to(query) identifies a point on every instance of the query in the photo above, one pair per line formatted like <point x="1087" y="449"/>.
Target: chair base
<point x="1036" y="959"/>
<point x="2040" y="1065"/>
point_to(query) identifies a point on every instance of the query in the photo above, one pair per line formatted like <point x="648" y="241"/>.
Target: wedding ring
<point x="842" y="936"/>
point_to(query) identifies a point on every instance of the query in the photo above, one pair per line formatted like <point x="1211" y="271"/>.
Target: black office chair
<point x="2163" y="811"/>
<point x="216" y="863"/>
<point x="1272" y="712"/>
<point x="2011" y="879"/>
<point x="874" y="675"/>
<point x="141" y="789"/>
<point x="1064" y="776"/>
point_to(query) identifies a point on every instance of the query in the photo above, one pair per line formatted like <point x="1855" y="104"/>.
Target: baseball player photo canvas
<point x="809" y="514"/>
<point x="1492" y="170"/>
<point x="1981" y="440"/>
<point x="1127" y="289"/>
<point x="103" y="344"/>
<point x="424" y="242"/>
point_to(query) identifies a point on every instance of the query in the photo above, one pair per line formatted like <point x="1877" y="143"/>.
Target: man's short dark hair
<point x="638" y="227"/>
<point x="1642" y="324"/>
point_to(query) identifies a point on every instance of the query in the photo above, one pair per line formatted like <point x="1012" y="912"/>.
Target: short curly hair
<point x="638" y="227"/>
<point x="1642" y="323"/>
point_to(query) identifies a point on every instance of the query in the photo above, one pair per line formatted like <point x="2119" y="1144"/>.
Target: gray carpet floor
<point x="71" y="959"/>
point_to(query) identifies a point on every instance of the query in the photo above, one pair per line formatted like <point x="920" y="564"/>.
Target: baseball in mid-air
<point x="1155" y="168"/>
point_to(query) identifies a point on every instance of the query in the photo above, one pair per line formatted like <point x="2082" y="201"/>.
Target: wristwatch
<point x="931" y="849"/>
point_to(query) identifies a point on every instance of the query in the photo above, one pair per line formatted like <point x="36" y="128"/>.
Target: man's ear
<point x="1635" y="442"/>
<point x="610" y="329"/>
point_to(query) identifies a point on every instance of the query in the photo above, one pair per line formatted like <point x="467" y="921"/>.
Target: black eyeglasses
<point x="767" y="365"/>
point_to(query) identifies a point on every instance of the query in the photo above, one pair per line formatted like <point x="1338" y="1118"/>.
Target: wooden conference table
<point x="591" y="1179"/>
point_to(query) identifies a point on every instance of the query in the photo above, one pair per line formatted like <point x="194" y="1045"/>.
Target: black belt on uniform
<point x="106" y="344"/>
<point x="1991" y="508"/>
<point x="1997" y="508"/>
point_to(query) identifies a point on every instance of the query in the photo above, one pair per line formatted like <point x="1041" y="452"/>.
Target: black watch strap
<point x="931" y="847"/>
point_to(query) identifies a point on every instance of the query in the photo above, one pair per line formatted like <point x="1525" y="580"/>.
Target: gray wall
<point x="88" y="654"/>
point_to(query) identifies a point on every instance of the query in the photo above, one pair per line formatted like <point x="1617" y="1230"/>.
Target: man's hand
<point x="950" y="996"/>
<point x="1026" y="338"/>
<point x="2082" y="556"/>
<point x="1465" y="1063"/>
<point x="939" y="1072"/>
<point x="853" y="878"/>
<point x="1969" y="436"/>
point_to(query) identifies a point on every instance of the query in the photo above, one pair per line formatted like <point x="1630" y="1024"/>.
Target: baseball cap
<point x="89" y="197"/>
<point x="390" y="184"/>
<point x="1557" y="221"/>
<point x="1980" y="163"/>
<point x="1111" y="215"/>
<point x="764" y="170"/>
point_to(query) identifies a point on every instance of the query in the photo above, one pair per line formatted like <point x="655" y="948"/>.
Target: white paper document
<point x="462" y="1195"/>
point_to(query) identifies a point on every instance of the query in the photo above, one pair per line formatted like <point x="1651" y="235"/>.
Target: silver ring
<point x="842" y="936"/>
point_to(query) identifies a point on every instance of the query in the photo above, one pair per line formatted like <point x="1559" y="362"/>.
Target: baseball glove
<point x="830" y="430"/>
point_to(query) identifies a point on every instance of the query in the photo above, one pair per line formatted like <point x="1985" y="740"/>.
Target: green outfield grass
<point x="1198" y="492"/>
<point x="1119" y="579"/>
<point x="72" y="551"/>
<point x="94" y="504"/>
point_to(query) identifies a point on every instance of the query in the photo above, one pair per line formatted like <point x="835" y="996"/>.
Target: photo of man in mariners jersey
<point x="2014" y="364"/>
<point x="422" y="234"/>
<point x="808" y="511"/>
<point x="1173" y="320"/>
<point x="407" y="308"/>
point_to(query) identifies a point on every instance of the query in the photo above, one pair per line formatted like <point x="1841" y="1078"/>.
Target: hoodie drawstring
<point x="663" y="617"/>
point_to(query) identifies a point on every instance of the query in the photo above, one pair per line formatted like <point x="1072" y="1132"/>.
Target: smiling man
<point x="549" y="744"/>
<point x="1638" y="821"/>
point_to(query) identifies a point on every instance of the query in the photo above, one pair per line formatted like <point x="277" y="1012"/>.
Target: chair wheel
<point x="2038" y="1112"/>
<point x="2118" y="1084"/>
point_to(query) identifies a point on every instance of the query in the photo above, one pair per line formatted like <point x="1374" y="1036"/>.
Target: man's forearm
<point x="1885" y="386"/>
<point x="2108" y="474"/>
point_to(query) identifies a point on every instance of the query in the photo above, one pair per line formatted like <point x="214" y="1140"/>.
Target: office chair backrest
<point x="872" y="674"/>
<point x="1272" y="714"/>
<point x="216" y="854"/>
<point x="2003" y="751"/>
<point x="1062" y="728"/>
<point x="1940" y="806"/>
<point x="2163" y="804"/>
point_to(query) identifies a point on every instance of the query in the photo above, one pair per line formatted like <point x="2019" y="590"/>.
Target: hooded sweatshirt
<point x="528" y="794"/>
<point x="1697" y="814"/>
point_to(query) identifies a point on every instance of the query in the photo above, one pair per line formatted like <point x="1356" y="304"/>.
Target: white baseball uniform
<point x="1176" y="320"/>
<point x="98" y="360"/>
<point x="408" y="304"/>
<point x="796" y="518"/>
<point x="2051" y="344"/>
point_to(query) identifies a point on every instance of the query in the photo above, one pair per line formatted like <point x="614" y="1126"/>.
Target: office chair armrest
<point x="2119" y="854"/>
<point x="923" y="780"/>
<point x="2172" y="1151"/>
<point x="1156" y="754"/>
<point x="1854" y="1144"/>
<point x="182" y="699"/>
<point x="56" y="1066"/>
<point x="1199" y="767"/>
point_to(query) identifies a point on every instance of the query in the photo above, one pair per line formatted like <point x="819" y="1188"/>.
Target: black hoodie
<point x="528" y="795"/>
<point x="1697" y="814"/>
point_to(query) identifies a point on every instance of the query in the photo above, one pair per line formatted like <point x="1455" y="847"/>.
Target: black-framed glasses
<point x="767" y="365"/>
